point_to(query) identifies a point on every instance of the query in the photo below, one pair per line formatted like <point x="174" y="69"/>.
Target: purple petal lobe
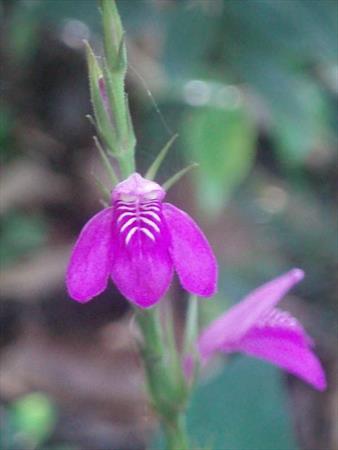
<point x="192" y="255"/>
<point x="142" y="267"/>
<point x="235" y="323"/>
<point x="89" y="266"/>
<point x="282" y="341"/>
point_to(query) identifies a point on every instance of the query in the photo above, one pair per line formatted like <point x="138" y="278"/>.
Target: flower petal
<point x="142" y="267"/>
<point x="192" y="255"/>
<point x="285" y="344"/>
<point x="235" y="323"/>
<point x="285" y="323"/>
<point x="89" y="265"/>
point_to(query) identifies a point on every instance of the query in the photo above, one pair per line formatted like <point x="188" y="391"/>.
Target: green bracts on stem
<point x="167" y="397"/>
<point x="175" y="434"/>
<point x="166" y="384"/>
<point x="106" y="163"/>
<point x="167" y="387"/>
<point x="113" y="35"/>
<point x="106" y="81"/>
<point x="102" y="119"/>
<point x="114" y="70"/>
<point x="114" y="84"/>
<point x="104" y="192"/>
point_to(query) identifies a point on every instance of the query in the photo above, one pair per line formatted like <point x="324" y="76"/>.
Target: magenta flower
<point x="138" y="242"/>
<point x="256" y="327"/>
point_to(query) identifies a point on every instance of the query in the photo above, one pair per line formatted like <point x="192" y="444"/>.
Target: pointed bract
<point x="192" y="255"/>
<point x="175" y="178"/>
<point x="153" y="169"/>
<point x="89" y="266"/>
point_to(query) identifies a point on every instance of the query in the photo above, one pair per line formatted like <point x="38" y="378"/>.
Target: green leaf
<point x="245" y="407"/>
<point x="222" y="141"/>
<point x="297" y="132"/>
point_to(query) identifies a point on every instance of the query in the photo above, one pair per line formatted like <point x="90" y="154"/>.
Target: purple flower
<point x="256" y="327"/>
<point x="138" y="242"/>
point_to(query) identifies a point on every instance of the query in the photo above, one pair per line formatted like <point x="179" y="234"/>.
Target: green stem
<point x="166" y="384"/>
<point x="191" y="325"/>
<point x="176" y="435"/>
<point x="126" y="164"/>
<point x="114" y="70"/>
<point x="167" y="394"/>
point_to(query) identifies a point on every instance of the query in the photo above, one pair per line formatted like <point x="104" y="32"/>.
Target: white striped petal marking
<point x="151" y="214"/>
<point x="148" y="233"/>
<point x="130" y="234"/>
<point x="126" y="224"/>
<point x="150" y="223"/>
<point x="123" y="215"/>
<point x="138" y="216"/>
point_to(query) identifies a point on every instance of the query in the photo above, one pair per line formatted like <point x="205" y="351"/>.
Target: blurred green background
<point x="251" y="88"/>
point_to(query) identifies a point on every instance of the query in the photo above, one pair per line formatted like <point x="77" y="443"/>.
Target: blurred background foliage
<point x="251" y="87"/>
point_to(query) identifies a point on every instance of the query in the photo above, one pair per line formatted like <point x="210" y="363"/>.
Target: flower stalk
<point x="107" y="90"/>
<point x="175" y="433"/>
<point x="166" y="384"/>
<point x="115" y="69"/>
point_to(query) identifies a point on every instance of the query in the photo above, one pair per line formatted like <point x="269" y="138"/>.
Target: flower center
<point x="138" y="216"/>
